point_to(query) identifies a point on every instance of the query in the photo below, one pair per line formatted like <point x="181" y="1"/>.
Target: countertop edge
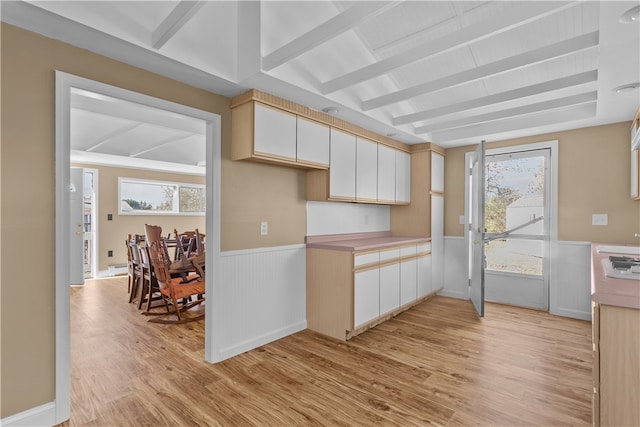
<point x="611" y="291"/>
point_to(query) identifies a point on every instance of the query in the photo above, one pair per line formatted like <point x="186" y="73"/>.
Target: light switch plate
<point x="264" y="228"/>
<point x="599" y="219"/>
<point x="462" y="220"/>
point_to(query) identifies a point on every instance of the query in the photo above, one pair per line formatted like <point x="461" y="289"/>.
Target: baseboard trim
<point x="226" y="353"/>
<point x="575" y="314"/>
<point x="452" y="294"/>
<point x="43" y="415"/>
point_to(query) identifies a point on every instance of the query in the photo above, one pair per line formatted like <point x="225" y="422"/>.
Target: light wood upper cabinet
<point x="366" y="170"/>
<point x="274" y="133"/>
<point x="312" y="142"/>
<point x="403" y="177"/>
<point x="268" y="134"/>
<point x="342" y="166"/>
<point x="386" y="174"/>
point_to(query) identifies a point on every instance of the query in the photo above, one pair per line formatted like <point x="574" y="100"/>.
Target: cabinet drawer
<point x="424" y="247"/>
<point x="389" y="254"/>
<point x="364" y="259"/>
<point x="408" y="251"/>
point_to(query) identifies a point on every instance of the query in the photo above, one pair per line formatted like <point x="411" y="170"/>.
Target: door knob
<point x="78" y="233"/>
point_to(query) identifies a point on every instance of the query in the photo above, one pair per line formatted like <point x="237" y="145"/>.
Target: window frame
<point x="176" y="197"/>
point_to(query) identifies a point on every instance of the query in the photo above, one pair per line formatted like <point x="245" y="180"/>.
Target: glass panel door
<point x="476" y="229"/>
<point x="517" y="228"/>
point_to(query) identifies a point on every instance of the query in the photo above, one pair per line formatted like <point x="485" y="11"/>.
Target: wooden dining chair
<point x="199" y="242"/>
<point x="150" y="291"/>
<point x="174" y="290"/>
<point x="136" y="271"/>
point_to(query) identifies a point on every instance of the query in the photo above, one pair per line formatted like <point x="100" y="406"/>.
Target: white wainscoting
<point x="570" y="279"/>
<point x="456" y="279"/>
<point x="569" y="276"/>
<point x="339" y="218"/>
<point x="265" y="297"/>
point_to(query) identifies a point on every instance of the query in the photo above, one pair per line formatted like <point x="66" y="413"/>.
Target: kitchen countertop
<point x="608" y="290"/>
<point x="361" y="241"/>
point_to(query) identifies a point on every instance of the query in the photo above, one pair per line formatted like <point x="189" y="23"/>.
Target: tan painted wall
<point x="112" y="234"/>
<point x="250" y="193"/>
<point x="593" y="177"/>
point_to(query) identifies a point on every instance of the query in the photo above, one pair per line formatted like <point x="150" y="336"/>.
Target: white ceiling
<point x="448" y="72"/>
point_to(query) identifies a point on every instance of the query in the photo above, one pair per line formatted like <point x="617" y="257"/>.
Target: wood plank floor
<point x="435" y="364"/>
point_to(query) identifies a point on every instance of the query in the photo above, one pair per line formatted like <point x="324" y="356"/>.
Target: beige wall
<point x="593" y="177"/>
<point x="112" y="234"/>
<point x="250" y="193"/>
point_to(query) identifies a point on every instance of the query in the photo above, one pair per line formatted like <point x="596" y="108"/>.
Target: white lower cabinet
<point x="424" y="275"/>
<point x="349" y="292"/>
<point x="408" y="281"/>
<point x="389" y="288"/>
<point x="366" y="296"/>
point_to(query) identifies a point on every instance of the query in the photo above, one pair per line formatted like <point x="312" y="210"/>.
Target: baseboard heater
<point x="117" y="269"/>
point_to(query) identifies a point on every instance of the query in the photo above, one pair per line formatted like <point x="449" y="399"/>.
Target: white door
<point x="476" y="230"/>
<point x="76" y="227"/>
<point x="517" y="222"/>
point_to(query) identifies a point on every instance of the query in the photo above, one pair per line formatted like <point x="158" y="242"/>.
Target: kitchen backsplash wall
<point x="338" y="218"/>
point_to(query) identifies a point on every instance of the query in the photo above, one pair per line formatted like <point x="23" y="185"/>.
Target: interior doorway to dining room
<point x="73" y="92"/>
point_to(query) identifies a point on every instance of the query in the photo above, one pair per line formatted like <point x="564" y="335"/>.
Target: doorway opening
<point x="517" y="231"/>
<point x="519" y="194"/>
<point x="66" y="86"/>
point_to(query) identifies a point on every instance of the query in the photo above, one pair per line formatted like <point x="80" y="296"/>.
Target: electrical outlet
<point x="109" y="253"/>
<point x="599" y="219"/>
<point x="264" y="228"/>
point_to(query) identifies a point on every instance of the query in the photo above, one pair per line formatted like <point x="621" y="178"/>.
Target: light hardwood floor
<point x="434" y="364"/>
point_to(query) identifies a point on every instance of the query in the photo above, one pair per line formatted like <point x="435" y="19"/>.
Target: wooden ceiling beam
<point x="546" y="53"/>
<point x="523" y="14"/>
<point x="510" y="112"/>
<point x="177" y="18"/>
<point x="356" y="14"/>
<point x="497" y="98"/>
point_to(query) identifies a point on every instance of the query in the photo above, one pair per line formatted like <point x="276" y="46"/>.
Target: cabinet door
<point x="274" y="132"/>
<point x="366" y="298"/>
<point x="403" y="177"/>
<point x="424" y="275"/>
<point x="342" y="166"/>
<point x="386" y="174"/>
<point x="389" y="288"/>
<point x="437" y="242"/>
<point x="408" y="281"/>
<point x="312" y="142"/>
<point x="366" y="170"/>
<point x="437" y="172"/>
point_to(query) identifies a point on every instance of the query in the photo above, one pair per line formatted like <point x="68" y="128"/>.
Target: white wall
<point x="338" y="218"/>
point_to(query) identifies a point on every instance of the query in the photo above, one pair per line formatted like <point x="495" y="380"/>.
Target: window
<point x="145" y="197"/>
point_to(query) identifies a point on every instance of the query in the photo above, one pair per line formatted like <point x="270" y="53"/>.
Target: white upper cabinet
<point x="437" y="172"/>
<point x="366" y="170"/>
<point x="312" y="142"/>
<point x="403" y="177"/>
<point x="386" y="174"/>
<point x="274" y="132"/>
<point x="342" y="165"/>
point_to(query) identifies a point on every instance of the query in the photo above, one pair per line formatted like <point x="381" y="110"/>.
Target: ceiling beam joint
<point x="177" y="18"/>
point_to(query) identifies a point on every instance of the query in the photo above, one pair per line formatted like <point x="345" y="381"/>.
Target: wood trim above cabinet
<point x="300" y="110"/>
